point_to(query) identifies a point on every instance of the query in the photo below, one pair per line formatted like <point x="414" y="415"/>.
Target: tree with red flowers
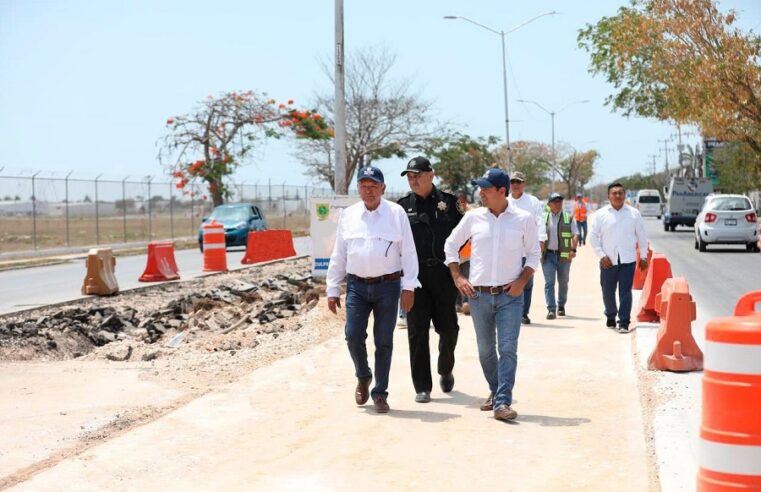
<point x="214" y="139"/>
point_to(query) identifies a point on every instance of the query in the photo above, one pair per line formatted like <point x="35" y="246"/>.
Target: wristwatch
<point x="573" y="250"/>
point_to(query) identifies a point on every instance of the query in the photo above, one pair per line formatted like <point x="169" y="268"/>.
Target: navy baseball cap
<point x="370" y="172"/>
<point x="495" y="177"/>
<point x="555" y="196"/>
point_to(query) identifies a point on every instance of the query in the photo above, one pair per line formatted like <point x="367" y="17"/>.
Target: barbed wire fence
<point x="54" y="212"/>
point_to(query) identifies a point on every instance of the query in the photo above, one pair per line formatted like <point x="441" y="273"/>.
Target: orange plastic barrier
<point x="268" y="245"/>
<point x="675" y="349"/>
<point x="100" y="279"/>
<point x="641" y="275"/>
<point x="214" y="249"/>
<point x="658" y="271"/>
<point x="730" y="433"/>
<point x="160" y="265"/>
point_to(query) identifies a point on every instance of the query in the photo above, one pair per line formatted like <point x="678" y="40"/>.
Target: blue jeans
<point x="383" y="301"/>
<point x="497" y="320"/>
<point x="553" y="268"/>
<point x="621" y="275"/>
<point x="582" y="225"/>
<point x="527" y="292"/>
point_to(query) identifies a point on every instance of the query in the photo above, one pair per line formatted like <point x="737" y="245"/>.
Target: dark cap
<point x="495" y="177"/>
<point x="554" y="196"/>
<point x="370" y="172"/>
<point x="418" y="165"/>
<point x="518" y="176"/>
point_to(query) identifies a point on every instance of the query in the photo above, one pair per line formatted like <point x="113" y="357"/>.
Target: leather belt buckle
<point x="496" y="290"/>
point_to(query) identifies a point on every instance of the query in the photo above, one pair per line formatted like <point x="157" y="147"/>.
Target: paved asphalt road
<point x="717" y="278"/>
<point x="31" y="287"/>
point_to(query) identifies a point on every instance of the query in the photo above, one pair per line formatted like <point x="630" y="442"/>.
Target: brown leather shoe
<point x="362" y="392"/>
<point x="504" y="412"/>
<point x="381" y="406"/>
<point x="488" y="404"/>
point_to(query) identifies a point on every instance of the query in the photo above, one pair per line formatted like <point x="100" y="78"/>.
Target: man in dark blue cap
<point x="375" y="252"/>
<point x="500" y="235"/>
<point x="558" y="242"/>
<point x="432" y="214"/>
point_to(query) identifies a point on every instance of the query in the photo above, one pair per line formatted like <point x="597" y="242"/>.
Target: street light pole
<point x="552" y="118"/>
<point x="502" y="35"/>
<point x="340" y="185"/>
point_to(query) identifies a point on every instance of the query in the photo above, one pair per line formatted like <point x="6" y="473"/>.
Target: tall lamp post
<point x="552" y="117"/>
<point x="502" y="34"/>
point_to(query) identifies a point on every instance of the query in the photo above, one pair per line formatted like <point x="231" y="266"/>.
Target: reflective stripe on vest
<point x="564" y="234"/>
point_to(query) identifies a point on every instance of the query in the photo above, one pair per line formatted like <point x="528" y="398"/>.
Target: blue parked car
<point x="238" y="219"/>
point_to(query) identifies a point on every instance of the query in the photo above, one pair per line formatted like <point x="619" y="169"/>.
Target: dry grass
<point x="16" y="232"/>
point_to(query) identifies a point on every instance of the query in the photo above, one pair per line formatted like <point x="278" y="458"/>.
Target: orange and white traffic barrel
<point x="730" y="433"/>
<point x="214" y="249"/>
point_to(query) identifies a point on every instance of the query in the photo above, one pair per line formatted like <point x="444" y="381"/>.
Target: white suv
<point x="726" y="219"/>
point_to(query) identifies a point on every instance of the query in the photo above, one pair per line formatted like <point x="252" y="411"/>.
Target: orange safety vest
<point x="580" y="213"/>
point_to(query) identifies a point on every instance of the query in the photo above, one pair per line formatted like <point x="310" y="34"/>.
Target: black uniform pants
<point x="435" y="301"/>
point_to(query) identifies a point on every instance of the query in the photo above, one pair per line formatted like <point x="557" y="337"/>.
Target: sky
<point x="86" y="86"/>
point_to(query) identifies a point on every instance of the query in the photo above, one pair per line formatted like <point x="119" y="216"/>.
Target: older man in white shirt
<point x="616" y="230"/>
<point x="531" y="204"/>
<point x="500" y="235"/>
<point x="375" y="252"/>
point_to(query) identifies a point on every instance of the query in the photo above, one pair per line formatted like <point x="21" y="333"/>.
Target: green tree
<point x="738" y="168"/>
<point x="577" y="168"/>
<point x="681" y="61"/>
<point x="458" y="158"/>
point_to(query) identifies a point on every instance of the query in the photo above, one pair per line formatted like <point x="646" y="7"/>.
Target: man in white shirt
<point x="375" y="252"/>
<point x="532" y="205"/>
<point x="500" y="235"/>
<point x="615" y="231"/>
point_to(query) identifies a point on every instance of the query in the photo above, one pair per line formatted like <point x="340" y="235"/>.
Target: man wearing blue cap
<point x="500" y="235"/>
<point x="558" y="244"/>
<point x="375" y="252"/>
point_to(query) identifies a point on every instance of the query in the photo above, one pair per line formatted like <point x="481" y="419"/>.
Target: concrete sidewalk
<point x="293" y="425"/>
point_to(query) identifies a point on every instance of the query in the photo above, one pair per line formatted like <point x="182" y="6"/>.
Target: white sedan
<point x="727" y="219"/>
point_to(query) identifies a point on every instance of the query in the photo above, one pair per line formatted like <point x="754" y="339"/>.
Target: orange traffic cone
<point x="658" y="271"/>
<point x="214" y="249"/>
<point x="730" y="433"/>
<point x="675" y="349"/>
<point x="268" y="245"/>
<point x="160" y="265"/>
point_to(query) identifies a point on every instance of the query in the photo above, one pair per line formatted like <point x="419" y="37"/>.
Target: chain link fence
<point x="45" y="213"/>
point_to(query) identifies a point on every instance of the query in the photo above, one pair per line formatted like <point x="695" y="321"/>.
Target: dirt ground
<point x="278" y="422"/>
<point x="66" y="404"/>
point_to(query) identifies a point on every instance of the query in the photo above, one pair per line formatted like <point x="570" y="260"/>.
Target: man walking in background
<point x="500" y="235"/>
<point x="558" y="250"/>
<point x="432" y="214"/>
<point x="580" y="212"/>
<point x="529" y="203"/>
<point x="375" y="252"/>
<point x="616" y="230"/>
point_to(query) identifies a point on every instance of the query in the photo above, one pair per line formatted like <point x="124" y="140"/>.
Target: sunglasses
<point x="515" y="181"/>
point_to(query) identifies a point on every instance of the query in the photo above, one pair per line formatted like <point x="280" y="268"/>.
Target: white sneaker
<point x="401" y="322"/>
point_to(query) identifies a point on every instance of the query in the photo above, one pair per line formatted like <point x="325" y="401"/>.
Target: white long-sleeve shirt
<point x="371" y="244"/>
<point x="498" y="245"/>
<point x="615" y="234"/>
<point x="533" y="206"/>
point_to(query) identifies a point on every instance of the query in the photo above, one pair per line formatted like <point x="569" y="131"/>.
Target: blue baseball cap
<point x="555" y="196"/>
<point x="370" y="172"/>
<point x="495" y="177"/>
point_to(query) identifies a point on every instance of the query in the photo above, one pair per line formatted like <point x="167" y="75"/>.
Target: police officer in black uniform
<point x="433" y="214"/>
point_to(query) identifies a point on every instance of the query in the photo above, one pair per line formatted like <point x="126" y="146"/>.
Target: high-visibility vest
<point x="580" y="213"/>
<point x="565" y="234"/>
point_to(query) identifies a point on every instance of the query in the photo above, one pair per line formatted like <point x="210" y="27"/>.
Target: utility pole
<point x="340" y="185"/>
<point x="652" y="166"/>
<point x="665" y="153"/>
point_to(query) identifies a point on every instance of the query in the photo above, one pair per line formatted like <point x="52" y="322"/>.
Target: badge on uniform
<point x="442" y="206"/>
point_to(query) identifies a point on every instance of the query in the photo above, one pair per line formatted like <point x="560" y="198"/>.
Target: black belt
<point x="376" y="280"/>
<point x="553" y="251"/>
